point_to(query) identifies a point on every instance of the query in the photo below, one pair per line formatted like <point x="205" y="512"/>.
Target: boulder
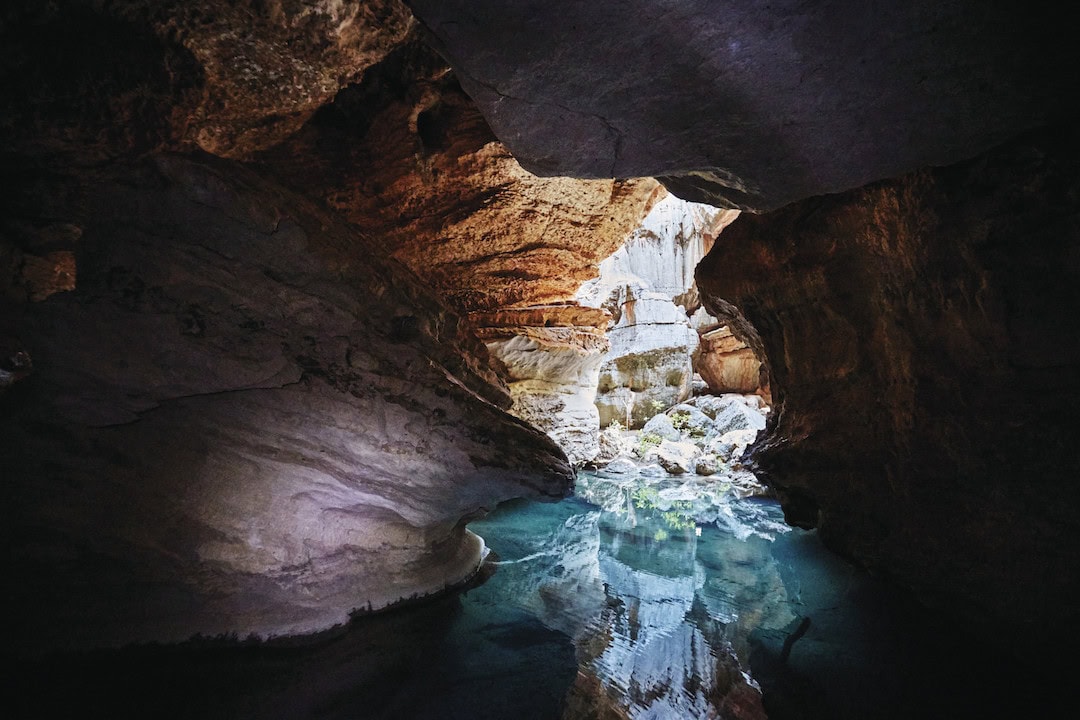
<point x="663" y="427"/>
<point x="677" y="458"/>
<point x="707" y="464"/>
<point x="692" y="422"/>
<point x="612" y="444"/>
<point x="737" y="416"/>
<point x="621" y="466"/>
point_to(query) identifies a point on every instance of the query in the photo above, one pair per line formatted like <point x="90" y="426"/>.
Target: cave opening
<point x="293" y="292"/>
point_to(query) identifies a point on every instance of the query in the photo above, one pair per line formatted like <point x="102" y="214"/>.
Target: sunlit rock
<point x="552" y="372"/>
<point x="727" y="364"/>
<point x="648" y="287"/>
<point x="677" y="458"/>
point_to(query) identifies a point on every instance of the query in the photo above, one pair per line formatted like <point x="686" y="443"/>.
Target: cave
<point x="296" y="324"/>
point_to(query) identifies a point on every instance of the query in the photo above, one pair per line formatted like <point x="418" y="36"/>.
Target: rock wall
<point x="242" y="420"/>
<point x="648" y="287"/>
<point x="551" y="357"/>
<point x="412" y="162"/>
<point x="922" y="336"/>
<point x="727" y="364"/>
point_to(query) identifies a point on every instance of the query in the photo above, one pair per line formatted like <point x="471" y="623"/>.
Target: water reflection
<point x="640" y="598"/>
<point x="659" y="583"/>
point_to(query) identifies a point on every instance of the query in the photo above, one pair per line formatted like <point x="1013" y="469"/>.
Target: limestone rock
<point x="735" y="415"/>
<point x="693" y="423"/>
<point x="677" y="458"/>
<point x="901" y="416"/>
<point x="707" y="464"/>
<point x="267" y="424"/>
<point x="648" y="287"/>
<point x="661" y="426"/>
<point x="648" y="368"/>
<point x="552" y="374"/>
<point x="612" y="444"/>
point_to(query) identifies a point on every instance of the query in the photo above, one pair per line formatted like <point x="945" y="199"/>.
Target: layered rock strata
<point x="551" y="357"/>
<point x="727" y="364"/>
<point x="648" y="286"/>
<point x="922" y="335"/>
<point x="243" y="420"/>
<point x="406" y="157"/>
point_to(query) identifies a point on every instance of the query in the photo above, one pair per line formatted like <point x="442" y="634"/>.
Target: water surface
<point x="638" y="598"/>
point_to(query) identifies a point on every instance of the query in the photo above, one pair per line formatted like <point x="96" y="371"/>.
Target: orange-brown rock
<point x="923" y="340"/>
<point x="727" y="364"/>
<point x="406" y="157"/>
<point x="269" y="65"/>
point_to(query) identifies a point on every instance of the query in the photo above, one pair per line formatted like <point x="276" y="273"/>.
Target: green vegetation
<point x="646" y="441"/>
<point x="678" y="518"/>
<point x="644" y="498"/>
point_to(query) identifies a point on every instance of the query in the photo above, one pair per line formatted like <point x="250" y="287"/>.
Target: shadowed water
<point x="639" y="598"/>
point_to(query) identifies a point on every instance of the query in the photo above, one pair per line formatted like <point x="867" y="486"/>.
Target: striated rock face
<point x="405" y="156"/>
<point x="922" y="335"/>
<point x="552" y="361"/>
<point x="242" y="420"/>
<point x="727" y="364"/>
<point x="754" y="105"/>
<point x="648" y="286"/>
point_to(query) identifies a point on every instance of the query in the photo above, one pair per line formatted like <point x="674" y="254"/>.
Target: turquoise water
<point x="638" y="598"/>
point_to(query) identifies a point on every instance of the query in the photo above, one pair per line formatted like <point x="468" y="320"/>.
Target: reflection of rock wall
<point x="648" y="286"/>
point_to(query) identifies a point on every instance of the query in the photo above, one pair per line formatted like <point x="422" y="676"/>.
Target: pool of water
<point x="638" y="598"/>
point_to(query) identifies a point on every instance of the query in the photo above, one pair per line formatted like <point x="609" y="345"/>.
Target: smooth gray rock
<point x="745" y="104"/>
<point x="661" y="426"/>
<point x="621" y="466"/>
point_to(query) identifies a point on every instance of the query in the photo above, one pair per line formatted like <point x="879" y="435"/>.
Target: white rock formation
<point x="647" y="285"/>
<point x="553" y="374"/>
<point x="552" y="371"/>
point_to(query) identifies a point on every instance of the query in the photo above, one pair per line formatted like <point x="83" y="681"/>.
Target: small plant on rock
<point x="647" y="441"/>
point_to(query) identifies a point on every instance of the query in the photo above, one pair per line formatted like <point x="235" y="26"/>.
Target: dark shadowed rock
<point x="923" y="336"/>
<point x="754" y="104"/>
